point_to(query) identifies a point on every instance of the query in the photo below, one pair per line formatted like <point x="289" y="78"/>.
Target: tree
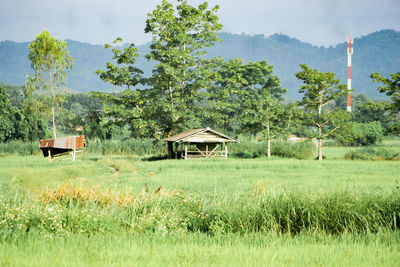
<point x="391" y="88"/>
<point x="356" y="101"/>
<point x="50" y="61"/>
<point x="11" y="120"/>
<point x="262" y="110"/>
<point x="178" y="36"/>
<point x="223" y="102"/>
<point x="35" y="110"/>
<point x="131" y="107"/>
<point x="373" y="111"/>
<point x="320" y="89"/>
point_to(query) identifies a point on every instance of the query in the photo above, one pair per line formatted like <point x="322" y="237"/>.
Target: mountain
<point x="376" y="52"/>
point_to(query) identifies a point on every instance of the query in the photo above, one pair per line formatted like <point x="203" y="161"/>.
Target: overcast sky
<point x="319" y="22"/>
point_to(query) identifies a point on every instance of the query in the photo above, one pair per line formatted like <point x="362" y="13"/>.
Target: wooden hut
<point x="199" y="143"/>
<point x="61" y="146"/>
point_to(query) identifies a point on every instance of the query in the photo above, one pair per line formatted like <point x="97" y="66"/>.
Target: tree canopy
<point x="320" y="89"/>
<point x="391" y="87"/>
<point x="50" y="61"/>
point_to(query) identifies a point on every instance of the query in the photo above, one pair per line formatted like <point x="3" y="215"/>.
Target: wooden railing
<point x="205" y="154"/>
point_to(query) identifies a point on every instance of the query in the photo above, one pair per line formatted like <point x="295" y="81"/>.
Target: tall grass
<point x="73" y="209"/>
<point x="140" y="147"/>
<point x="201" y="250"/>
<point x="19" y="148"/>
<point x="372" y="153"/>
<point x="284" y="149"/>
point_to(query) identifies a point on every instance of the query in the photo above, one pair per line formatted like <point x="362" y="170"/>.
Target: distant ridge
<point x="375" y="52"/>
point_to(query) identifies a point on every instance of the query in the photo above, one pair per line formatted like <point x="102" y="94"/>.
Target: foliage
<point x="391" y="88"/>
<point x="50" y="62"/>
<point x="320" y="89"/>
<point x="223" y="105"/>
<point x="262" y="111"/>
<point x="19" y="148"/>
<point x="360" y="134"/>
<point x="298" y="150"/>
<point x="284" y="149"/>
<point x="371" y="153"/>
<point x="11" y="120"/>
<point x="15" y="94"/>
<point x="74" y="209"/>
<point x="130" y="107"/>
<point x="179" y="36"/>
<point x="140" y="147"/>
<point x="373" y="111"/>
<point x="356" y="101"/>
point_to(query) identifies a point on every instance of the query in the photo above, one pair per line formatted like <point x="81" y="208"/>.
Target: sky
<point x="318" y="22"/>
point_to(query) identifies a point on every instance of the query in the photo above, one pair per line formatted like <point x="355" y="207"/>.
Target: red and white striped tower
<point x="349" y="53"/>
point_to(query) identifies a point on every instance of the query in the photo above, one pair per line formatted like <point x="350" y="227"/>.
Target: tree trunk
<point x="269" y="148"/>
<point x="319" y="148"/>
<point x="54" y="122"/>
<point x="319" y="142"/>
<point x="53" y="97"/>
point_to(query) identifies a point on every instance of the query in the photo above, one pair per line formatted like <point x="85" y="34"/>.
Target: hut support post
<point x="176" y="150"/>
<point x="73" y="154"/>
<point x="226" y="150"/>
<point x="170" y="150"/>
<point x="186" y="148"/>
<point x="50" y="155"/>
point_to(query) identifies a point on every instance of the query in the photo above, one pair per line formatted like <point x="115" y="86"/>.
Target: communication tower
<point x="349" y="53"/>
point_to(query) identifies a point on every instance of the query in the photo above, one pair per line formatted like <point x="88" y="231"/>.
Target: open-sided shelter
<point x="199" y="143"/>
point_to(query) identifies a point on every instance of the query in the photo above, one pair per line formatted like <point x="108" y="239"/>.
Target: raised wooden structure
<point x="199" y="143"/>
<point x="61" y="146"/>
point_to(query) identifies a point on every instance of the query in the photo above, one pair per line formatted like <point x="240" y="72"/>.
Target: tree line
<point x="185" y="90"/>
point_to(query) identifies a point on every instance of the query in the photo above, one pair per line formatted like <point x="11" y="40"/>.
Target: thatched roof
<point x="201" y="135"/>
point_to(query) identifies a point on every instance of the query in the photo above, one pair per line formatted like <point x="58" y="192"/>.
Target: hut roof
<point x="201" y="135"/>
<point x="70" y="142"/>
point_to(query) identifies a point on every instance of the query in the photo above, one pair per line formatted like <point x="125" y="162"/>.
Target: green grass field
<point x="121" y="210"/>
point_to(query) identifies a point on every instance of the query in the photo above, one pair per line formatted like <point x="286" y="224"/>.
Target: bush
<point x="373" y="154"/>
<point x="285" y="149"/>
<point x="360" y="134"/>
<point x="298" y="150"/>
<point x="248" y="149"/>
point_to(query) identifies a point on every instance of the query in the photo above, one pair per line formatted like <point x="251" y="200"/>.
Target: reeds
<point x="91" y="210"/>
<point x="19" y="148"/>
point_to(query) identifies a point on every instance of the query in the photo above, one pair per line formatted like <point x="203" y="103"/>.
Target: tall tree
<point x="320" y="89"/>
<point x="391" y="88"/>
<point x="11" y="120"/>
<point x="179" y="35"/>
<point x="373" y="111"/>
<point x="223" y="102"/>
<point x="260" y="102"/>
<point x="131" y="107"/>
<point x="50" y="61"/>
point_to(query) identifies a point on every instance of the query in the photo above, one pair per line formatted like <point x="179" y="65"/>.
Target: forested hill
<point x="376" y="52"/>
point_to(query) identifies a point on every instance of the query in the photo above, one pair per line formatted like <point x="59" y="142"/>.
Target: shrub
<point x="360" y="134"/>
<point x="248" y="149"/>
<point x="285" y="149"/>
<point x="373" y="154"/>
<point x="298" y="150"/>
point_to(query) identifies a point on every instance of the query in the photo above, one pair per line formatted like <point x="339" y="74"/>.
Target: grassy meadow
<point x="121" y="209"/>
